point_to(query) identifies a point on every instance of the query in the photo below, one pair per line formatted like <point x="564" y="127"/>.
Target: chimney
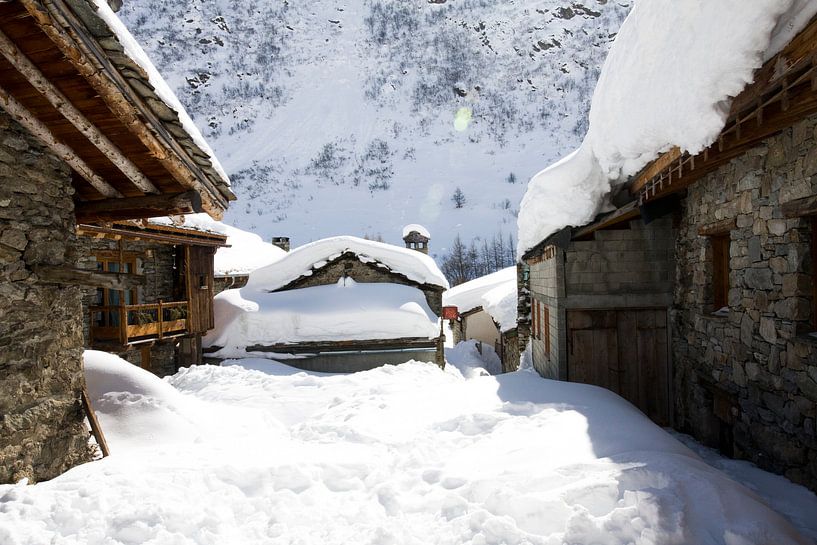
<point x="415" y="237"/>
<point x="281" y="242"/>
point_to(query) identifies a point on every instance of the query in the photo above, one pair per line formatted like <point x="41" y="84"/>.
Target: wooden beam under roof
<point x="39" y="129"/>
<point x="63" y="105"/>
<point x="150" y="206"/>
<point x="133" y="232"/>
<point x="69" y="34"/>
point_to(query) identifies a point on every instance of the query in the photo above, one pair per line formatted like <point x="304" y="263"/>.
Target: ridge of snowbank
<point x="410" y="263"/>
<point x="668" y="80"/>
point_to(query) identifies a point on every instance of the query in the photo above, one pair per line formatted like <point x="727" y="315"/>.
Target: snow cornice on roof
<point x="414" y="266"/>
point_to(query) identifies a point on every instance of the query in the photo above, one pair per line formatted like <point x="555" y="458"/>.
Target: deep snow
<point x="397" y="455"/>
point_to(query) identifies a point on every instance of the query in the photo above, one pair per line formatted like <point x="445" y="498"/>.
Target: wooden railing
<point x="131" y="323"/>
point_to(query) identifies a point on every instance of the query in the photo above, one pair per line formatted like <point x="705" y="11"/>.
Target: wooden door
<point x="199" y="273"/>
<point x="625" y="351"/>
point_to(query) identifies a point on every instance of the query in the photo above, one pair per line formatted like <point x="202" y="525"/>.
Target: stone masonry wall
<point x="42" y="433"/>
<point x="747" y="382"/>
<point x="159" y="285"/>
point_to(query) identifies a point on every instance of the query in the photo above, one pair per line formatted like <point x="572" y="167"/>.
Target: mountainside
<point x="358" y="118"/>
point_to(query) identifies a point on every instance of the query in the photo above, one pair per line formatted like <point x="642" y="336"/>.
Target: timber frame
<point x="66" y="78"/>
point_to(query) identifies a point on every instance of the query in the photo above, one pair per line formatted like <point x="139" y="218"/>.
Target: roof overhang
<point x="67" y="79"/>
<point x="163" y="234"/>
<point x="784" y="91"/>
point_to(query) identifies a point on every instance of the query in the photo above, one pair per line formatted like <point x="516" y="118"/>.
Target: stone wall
<point x="156" y="262"/>
<point x="351" y="267"/>
<point x="42" y="433"/>
<point x="747" y="382"/>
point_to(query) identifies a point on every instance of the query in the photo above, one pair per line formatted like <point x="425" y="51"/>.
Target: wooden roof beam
<point x="138" y="207"/>
<point x="36" y="127"/>
<point x="62" y="27"/>
<point x="61" y="103"/>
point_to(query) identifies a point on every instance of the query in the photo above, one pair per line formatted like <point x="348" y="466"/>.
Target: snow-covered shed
<point x="721" y="148"/>
<point x="486" y="308"/>
<point x="338" y="304"/>
<point x="89" y="133"/>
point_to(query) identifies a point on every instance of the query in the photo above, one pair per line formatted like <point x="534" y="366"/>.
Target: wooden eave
<point x="784" y="91"/>
<point x="66" y="78"/>
<point x="162" y="234"/>
<point x="627" y="212"/>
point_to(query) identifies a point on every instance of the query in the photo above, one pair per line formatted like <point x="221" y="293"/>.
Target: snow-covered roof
<point x="668" y="81"/>
<point x="135" y="52"/>
<point x="468" y="296"/>
<point x="246" y="252"/>
<point x="345" y="311"/>
<point x="415" y="228"/>
<point x="413" y="265"/>
<point x="501" y="304"/>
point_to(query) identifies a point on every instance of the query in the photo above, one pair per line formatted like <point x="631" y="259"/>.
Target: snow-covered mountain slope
<point x="358" y="118"/>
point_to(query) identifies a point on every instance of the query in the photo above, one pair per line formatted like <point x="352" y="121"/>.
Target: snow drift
<point x="400" y="454"/>
<point x="668" y="81"/>
<point x="339" y="312"/>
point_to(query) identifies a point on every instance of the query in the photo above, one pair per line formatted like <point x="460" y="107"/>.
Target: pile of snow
<point x="668" y="81"/>
<point x="246" y="252"/>
<point x="414" y="265"/>
<point x="501" y="304"/>
<point x="138" y="55"/>
<point x="399" y="454"/>
<point x="415" y="228"/>
<point x="468" y="296"/>
<point x="470" y="363"/>
<point x="344" y="311"/>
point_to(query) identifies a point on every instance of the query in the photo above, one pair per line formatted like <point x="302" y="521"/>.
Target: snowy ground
<point x="397" y="455"/>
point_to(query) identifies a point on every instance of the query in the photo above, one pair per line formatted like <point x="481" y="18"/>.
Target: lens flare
<point x="462" y="119"/>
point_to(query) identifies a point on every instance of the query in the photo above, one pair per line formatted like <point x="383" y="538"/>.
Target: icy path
<point x="398" y="455"/>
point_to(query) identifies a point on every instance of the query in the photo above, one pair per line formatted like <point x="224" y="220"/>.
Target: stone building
<point x="599" y="300"/>
<point x="743" y="305"/>
<point x="84" y="134"/>
<point x="340" y="304"/>
<point x="158" y="325"/>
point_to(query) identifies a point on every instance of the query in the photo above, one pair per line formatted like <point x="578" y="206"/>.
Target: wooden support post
<point x="96" y="429"/>
<point x="61" y="103"/>
<point x="36" y="127"/>
<point x="123" y="325"/>
<point x="161" y="320"/>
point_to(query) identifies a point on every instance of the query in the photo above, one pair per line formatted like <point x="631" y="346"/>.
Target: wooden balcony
<point x="130" y="324"/>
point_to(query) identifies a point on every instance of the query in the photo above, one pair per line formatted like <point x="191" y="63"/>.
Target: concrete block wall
<point x="42" y="433"/>
<point x="547" y="287"/>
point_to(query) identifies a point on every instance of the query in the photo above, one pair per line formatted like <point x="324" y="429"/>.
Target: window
<point x="110" y="299"/>
<point x="534" y="312"/>
<point x="720" y="272"/>
<point x="545" y="327"/>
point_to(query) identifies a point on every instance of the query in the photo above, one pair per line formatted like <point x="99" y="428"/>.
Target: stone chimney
<point x="281" y="242"/>
<point x="416" y="239"/>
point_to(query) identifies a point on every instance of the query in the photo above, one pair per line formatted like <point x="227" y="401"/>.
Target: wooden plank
<point x="717" y="228"/>
<point x="656" y="167"/>
<point x="628" y="355"/>
<point x="96" y="429"/>
<point x="801" y="207"/>
<point x="81" y="277"/>
<point x="136" y="233"/>
<point x="720" y="271"/>
<point x="581" y="356"/>
<point x="625" y="213"/>
<point x="138" y="207"/>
